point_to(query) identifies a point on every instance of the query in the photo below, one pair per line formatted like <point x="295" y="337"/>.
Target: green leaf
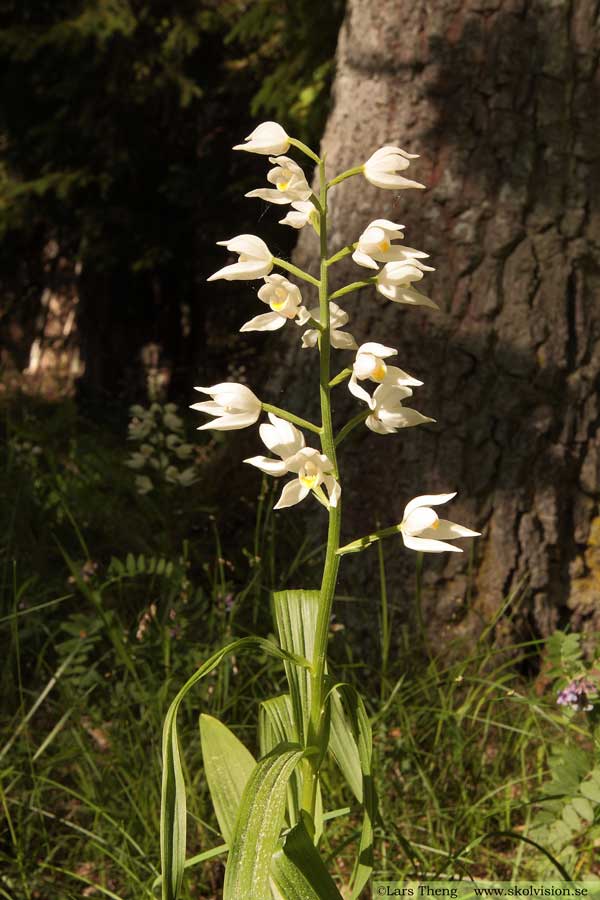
<point x="227" y="765"/>
<point x="276" y="726"/>
<point x="584" y="808"/>
<point x="362" y="736"/>
<point x="259" y="824"/>
<point x="296" y="616"/>
<point x="591" y="789"/>
<point x="344" y="748"/>
<point x="173" y="800"/>
<point x="299" y="873"/>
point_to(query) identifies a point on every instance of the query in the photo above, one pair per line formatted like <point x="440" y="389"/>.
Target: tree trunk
<point x="500" y="98"/>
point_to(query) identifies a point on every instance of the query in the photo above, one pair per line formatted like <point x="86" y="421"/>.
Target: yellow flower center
<point x="309" y="475"/>
<point x="279" y="300"/>
<point x="384" y="246"/>
<point x="379" y="370"/>
<point x="284" y="185"/>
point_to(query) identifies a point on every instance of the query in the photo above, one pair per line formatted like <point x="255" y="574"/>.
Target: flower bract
<point x="233" y="406"/>
<point x="422" y="529"/>
<point x="267" y="138"/>
<point x="255" y="260"/>
<point x="381" y="169"/>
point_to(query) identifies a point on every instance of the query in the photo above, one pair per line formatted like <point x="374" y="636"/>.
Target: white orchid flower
<point x="281" y="438"/>
<point x="423" y="530"/>
<point x="255" y="259"/>
<point x="233" y="405"/>
<point x="341" y="340"/>
<point x="382" y="167"/>
<point x="388" y="415"/>
<point x="268" y="138"/>
<point x="289" y="180"/>
<point x="304" y="212"/>
<point x="395" y="280"/>
<point x="285" y="301"/>
<point x="312" y="468"/>
<point x="375" y="245"/>
<point x="369" y="364"/>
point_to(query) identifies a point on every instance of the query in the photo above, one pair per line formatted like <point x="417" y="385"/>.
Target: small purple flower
<point x="575" y="695"/>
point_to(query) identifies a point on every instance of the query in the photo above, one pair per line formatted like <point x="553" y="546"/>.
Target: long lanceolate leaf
<point x="296" y="615"/>
<point x="299" y="873"/>
<point x="258" y="825"/>
<point x="228" y="766"/>
<point x="358" y="735"/>
<point x="173" y="801"/>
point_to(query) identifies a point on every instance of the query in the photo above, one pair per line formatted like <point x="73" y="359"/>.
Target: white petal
<point x="405" y="417"/>
<point x="419" y="519"/>
<point x="271" y="195"/>
<point x="333" y="489"/>
<point x="230" y="422"/>
<point x="342" y="340"/>
<point x="376" y="425"/>
<point x="292" y="493"/>
<point x="268" y="138"/>
<point x="265" y="322"/>
<point x="377" y="349"/>
<point x="310" y="338"/>
<point x="389" y="226"/>
<point x="396" y="376"/>
<point x="425" y="545"/>
<point x="448" y="531"/>
<point x="358" y="391"/>
<point x="427" y="500"/>
<point x="363" y="259"/>
<point x="273" y="467"/>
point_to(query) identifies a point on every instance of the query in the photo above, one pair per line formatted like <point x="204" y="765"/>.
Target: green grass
<point x="110" y="600"/>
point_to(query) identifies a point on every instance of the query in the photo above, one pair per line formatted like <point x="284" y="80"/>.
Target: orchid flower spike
<point x="267" y="139"/>
<point x="388" y="415"/>
<point x="395" y="280"/>
<point x="304" y="212"/>
<point x="369" y="364"/>
<point x="255" y="259"/>
<point x="423" y="530"/>
<point x="285" y="301"/>
<point x="381" y="169"/>
<point x="341" y="340"/>
<point x="311" y="467"/>
<point x="233" y="405"/>
<point x="289" y="180"/>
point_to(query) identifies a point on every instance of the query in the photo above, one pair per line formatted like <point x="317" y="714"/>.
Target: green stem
<point x="385" y="621"/>
<point x="349" y="248"/>
<point x="357" y="170"/>
<point x="283" y="264"/>
<point x="330" y="569"/>
<point x="350" y="426"/>
<point x="290" y="417"/>
<point x="368" y="539"/>
<point x="345" y="373"/>
<point x="355" y="286"/>
<point x="306" y="150"/>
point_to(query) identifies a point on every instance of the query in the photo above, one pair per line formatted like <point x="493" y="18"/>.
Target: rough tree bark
<point x="500" y="98"/>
